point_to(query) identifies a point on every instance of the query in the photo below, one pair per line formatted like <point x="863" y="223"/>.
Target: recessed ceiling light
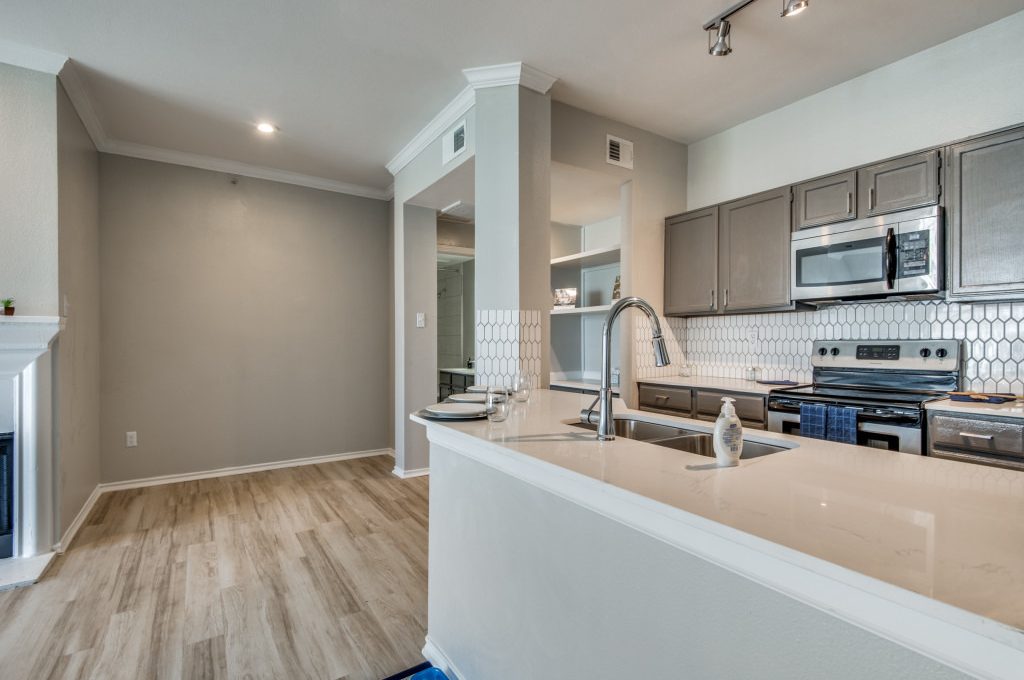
<point x="266" y="128"/>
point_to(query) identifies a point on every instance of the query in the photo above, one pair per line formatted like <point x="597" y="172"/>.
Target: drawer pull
<point x="660" y="397"/>
<point x="971" y="435"/>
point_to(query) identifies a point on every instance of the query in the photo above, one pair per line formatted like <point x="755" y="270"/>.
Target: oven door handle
<point x="889" y="258"/>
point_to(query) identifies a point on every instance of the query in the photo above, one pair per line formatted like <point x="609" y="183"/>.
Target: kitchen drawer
<point x="750" y="409"/>
<point x="677" y="399"/>
<point x="1002" y="437"/>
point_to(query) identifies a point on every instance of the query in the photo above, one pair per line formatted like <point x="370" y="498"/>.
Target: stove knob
<point x="925" y="353"/>
<point x="835" y="351"/>
<point x="941" y="353"/>
<point x="822" y="351"/>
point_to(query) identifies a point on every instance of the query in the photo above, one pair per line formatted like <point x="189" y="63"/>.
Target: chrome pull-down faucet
<point x="605" y="423"/>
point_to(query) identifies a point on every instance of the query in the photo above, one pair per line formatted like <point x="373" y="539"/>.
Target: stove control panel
<point x="923" y="355"/>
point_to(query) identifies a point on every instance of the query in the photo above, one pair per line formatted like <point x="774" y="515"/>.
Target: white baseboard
<point x="408" y="474"/>
<point x="69" y="535"/>
<point x="238" y="470"/>
<point x="437" y="657"/>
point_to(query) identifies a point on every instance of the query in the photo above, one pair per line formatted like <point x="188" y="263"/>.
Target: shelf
<point x="590" y="258"/>
<point x="599" y="309"/>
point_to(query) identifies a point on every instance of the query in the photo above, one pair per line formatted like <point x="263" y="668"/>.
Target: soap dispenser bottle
<point x="728" y="438"/>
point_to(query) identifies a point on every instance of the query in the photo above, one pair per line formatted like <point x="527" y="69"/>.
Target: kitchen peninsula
<point x="628" y="559"/>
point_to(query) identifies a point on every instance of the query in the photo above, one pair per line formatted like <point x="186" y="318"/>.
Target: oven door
<point x="889" y="432"/>
<point x="844" y="263"/>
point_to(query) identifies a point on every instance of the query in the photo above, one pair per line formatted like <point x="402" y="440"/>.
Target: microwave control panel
<point x="913" y="254"/>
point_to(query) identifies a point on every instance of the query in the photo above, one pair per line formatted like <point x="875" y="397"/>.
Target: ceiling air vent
<point x="619" y="152"/>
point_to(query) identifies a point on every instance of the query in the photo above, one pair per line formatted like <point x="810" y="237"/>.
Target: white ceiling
<point x="349" y="82"/>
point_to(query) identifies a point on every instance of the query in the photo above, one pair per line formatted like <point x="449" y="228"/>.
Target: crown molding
<point x="194" y="160"/>
<point x="515" y="73"/>
<point x="449" y="115"/>
<point x="71" y="78"/>
<point x="24" y="56"/>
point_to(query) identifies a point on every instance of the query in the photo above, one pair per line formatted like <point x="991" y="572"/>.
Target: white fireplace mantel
<point x="26" y="378"/>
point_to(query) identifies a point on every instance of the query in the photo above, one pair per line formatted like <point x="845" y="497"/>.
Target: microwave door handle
<point x="889" y="258"/>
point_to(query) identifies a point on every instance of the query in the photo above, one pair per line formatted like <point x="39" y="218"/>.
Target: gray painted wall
<point x="240" y="320"/>
<point x="28" y="203"/>
<point x="77" y="351"/>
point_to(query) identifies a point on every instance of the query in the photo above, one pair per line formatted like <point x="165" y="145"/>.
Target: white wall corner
<point x="515" y="73"/>
<point x="31" y="58"/>
<point x="448" y="116"/>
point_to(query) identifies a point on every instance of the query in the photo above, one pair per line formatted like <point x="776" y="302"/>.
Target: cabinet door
<point x="908" y="182"/>
<point x="691" y="263"/>
<point x="754" y="247"/>
<point x="985" y="217"/>
<point x="824" y="201"/>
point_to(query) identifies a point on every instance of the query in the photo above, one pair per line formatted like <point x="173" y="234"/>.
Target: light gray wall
<point x="968" y="85"/>
<point x="652" y="190"/>
<point x="604" y="601"/>
<point x="242" y="322"/>
<point x="77" y="364"/>
<point x="28" y="203"/>
<point x="419" y="362"/>
<point x="459" y="234"/>
<point x="414" y="354"/>
<point x="468" y="310"/>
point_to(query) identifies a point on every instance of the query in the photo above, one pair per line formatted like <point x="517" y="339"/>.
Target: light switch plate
<point x="131" y="439"/>
<point x="421" y="320"/>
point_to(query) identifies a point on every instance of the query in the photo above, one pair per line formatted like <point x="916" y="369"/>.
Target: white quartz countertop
<point x="593" y="385"/>
<point x="1011" y="409"/>
<point x="935" y="527"/>
<point x="727" y="384"/>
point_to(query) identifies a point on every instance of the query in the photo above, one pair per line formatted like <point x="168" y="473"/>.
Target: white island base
<point x="540" y="568"/>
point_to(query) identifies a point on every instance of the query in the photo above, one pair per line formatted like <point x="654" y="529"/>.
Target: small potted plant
<point x="8" y="304"/>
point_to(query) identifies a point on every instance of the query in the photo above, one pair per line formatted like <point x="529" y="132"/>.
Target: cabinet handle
<point x="971" y="435"/>
<point x="660" y="397"/>
<point x="712" y="305"/>
<point x="849" y="202"/>
<point x="871" y="198"/>
<point x="726" y="303"/>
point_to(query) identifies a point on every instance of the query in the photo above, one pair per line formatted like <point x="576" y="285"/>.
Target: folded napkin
<point x="813" y="419"/>
<point x="841" y="424"/>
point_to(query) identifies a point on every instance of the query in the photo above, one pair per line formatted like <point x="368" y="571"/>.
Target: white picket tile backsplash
<point x="780" y="344"/>
<point x="508" y="341"/>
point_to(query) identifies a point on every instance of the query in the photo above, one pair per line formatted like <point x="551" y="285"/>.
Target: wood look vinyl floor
<point x="317" y="571"/>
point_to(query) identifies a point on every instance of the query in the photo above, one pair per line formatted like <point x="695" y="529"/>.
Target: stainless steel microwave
<point x="899" y="254"/>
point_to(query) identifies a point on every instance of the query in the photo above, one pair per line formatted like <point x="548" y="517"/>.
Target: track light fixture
<point x="720" y="24"/>
<point x="790" y="8"/>
<point x="721" y="46"/>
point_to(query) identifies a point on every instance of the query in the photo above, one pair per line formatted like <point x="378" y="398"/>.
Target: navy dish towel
<point x="813" y="418"/>
<point x="842" y="424"/>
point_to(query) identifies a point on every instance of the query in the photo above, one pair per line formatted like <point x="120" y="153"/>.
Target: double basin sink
<point x="680" y="439"/>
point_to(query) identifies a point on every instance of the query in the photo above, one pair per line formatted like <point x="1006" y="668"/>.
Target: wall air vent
<point x="619" y="152"/>
<point x="454" y="142"/>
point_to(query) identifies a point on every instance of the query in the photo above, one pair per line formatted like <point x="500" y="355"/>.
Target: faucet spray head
<point x="660" y="352"/>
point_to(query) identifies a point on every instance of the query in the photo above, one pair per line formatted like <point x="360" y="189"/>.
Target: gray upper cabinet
<point x="907" y="182"/>
<point x="691" y="262"/>
<point x="754" y="251"/>
<point x="985" y="217"/>
<point x="825" y="200"/>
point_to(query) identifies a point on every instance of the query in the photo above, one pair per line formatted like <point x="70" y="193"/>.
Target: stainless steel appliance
<point x="887" y="381"/>
<point x="899" y="254"/>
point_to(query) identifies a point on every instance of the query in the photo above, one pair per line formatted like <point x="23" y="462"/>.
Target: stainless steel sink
<point x="680" y="439"/>
<point x="703" y="445"/>
<point x="637" y="429"/>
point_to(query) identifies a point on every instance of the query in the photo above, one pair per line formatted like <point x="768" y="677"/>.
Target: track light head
<point x="722" y="44"/>
<point x="790" y="8"/>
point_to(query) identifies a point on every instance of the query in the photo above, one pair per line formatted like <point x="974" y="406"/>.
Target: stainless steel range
<point x="888" y="382"/>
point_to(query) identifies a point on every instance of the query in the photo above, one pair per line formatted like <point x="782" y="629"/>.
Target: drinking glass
<point x="521" y="387"/>
<point x="498" y="404"/>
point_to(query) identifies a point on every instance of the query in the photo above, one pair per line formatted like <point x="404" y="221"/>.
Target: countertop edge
<point x="920" y="623"/>
<point x="710" y="383"/>
<point x="1014" y="410"/>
